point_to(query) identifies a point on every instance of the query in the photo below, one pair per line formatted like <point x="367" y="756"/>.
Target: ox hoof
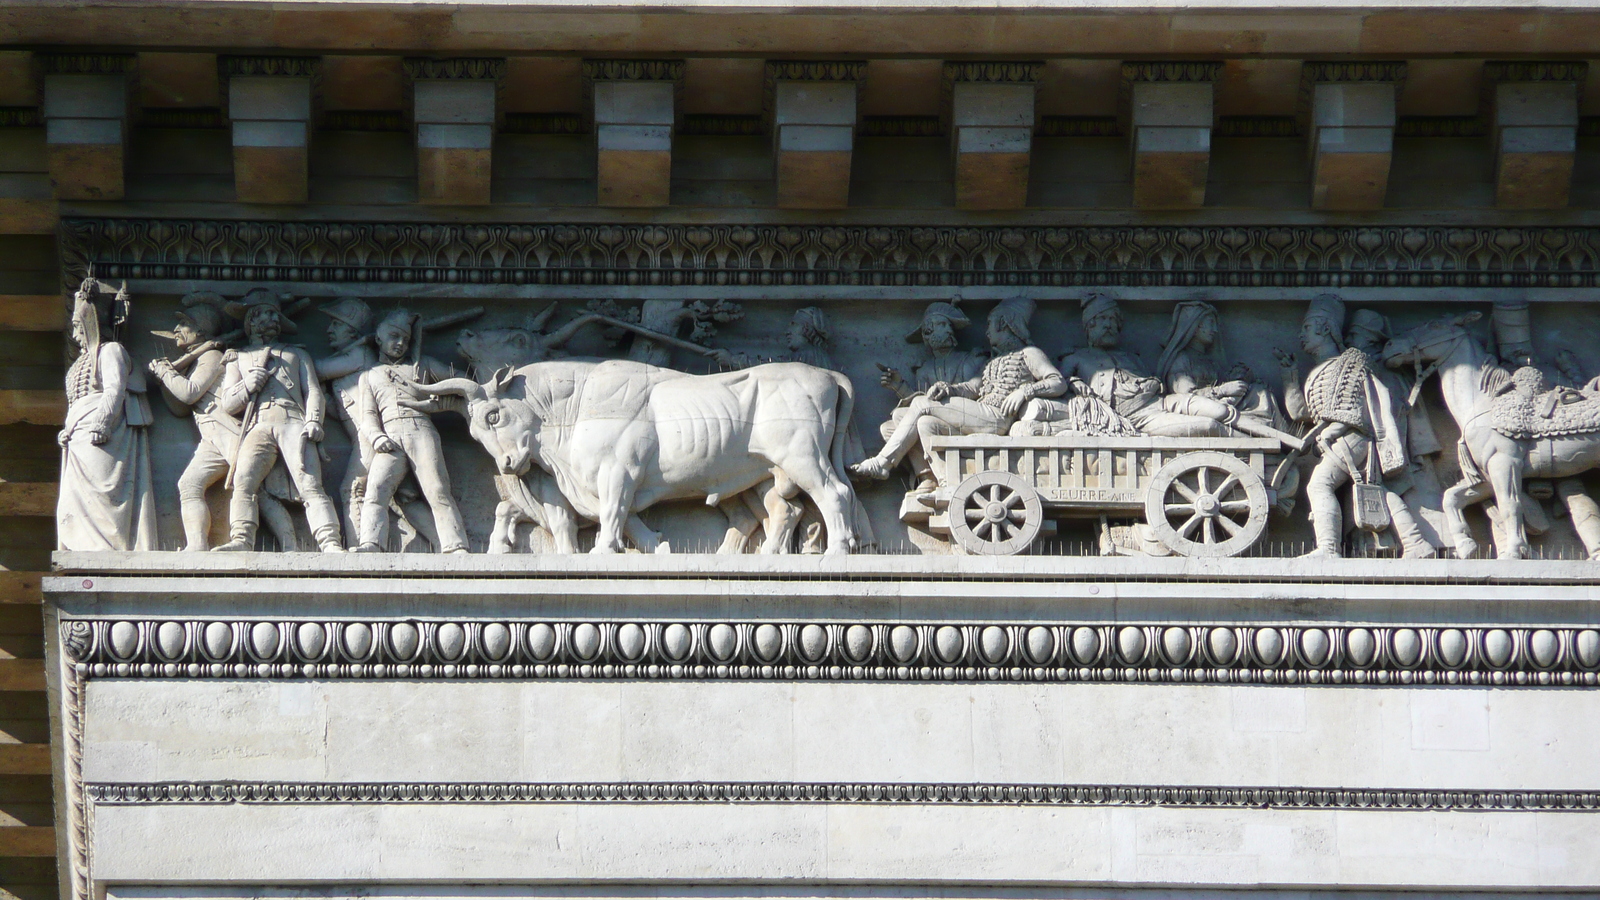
<point x="1466" y="548"/>
<point x="663" y="548"/>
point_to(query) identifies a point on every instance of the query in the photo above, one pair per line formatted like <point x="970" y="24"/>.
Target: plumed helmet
<point x="940" y="310"/>
<point x="203" y="310"/>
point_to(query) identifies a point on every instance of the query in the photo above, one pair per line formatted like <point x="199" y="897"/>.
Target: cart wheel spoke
<point x="1189" y="525"/>
<point x="1235" y="506"/>
<point x="1015" y="516"/>
<point x="1201" y="479"/>
<point x="982" y="528"/>
<point x="1228" y="484"/>
<point x="1176" y="508"/>
<point x="1187" y="492"/>
<point x="975" y="515"/>
<point x="1228" y="525"/>
<point x="1014" y="501"/>
<point x="1211" y="531"/>
<point x="994" y="494"/>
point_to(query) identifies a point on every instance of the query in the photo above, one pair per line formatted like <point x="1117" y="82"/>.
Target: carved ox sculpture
<point x="620" y="436"/>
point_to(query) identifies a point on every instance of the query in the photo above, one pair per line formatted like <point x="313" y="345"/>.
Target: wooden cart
<point x="1199" y="496"/>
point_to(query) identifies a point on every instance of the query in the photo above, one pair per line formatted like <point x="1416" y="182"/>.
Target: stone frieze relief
<point x="471" y="650"/>
<point x="623" y="418"/>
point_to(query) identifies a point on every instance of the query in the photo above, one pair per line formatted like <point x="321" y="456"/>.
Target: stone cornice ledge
<point x="817" y="568"/>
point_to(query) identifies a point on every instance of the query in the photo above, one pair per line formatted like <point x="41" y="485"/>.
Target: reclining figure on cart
<point x="1096" y="436"/>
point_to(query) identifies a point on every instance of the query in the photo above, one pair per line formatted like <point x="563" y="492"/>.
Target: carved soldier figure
<point x="1358" y="423"/>
<point x="350" y="339"/>
<point x="988" y="404"/>
<point x="273" y="387"/>
<point x="403" y="438"/>
<point x="107" y="499"/>
<point x="190" y="386"/>
<point x="937" y="333"/>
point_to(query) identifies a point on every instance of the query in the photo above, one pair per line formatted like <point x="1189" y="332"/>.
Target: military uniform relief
<point x="1080" y="421"/>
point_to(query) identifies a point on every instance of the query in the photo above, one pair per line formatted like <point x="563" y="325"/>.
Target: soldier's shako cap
<point x="1096" y="303"/>
<point x="940" y="309"/>
<point x="240" y="309"/>
<point x="352" y="311"/>
<point x="1016" y="311"/>
<point x="404" y="319"/>
<point x="203" y="311"/>
<point x="1371" y="322"/>
<point x="1329" y="309"/>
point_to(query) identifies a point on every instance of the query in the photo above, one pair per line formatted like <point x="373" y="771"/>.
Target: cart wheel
<point x="1206" y="503"/>
<point x="995" y="514"/>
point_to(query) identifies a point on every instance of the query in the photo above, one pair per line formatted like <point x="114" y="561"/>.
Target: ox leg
<point x="742" y="523"/>
<point x="1456" y="499"/>
<point x="616" y="486"/>
<point x="833" y="497"/>
<point x="645" y="538"/>
<point x="1505" y="474"/>
<point x="782" y="515"/>
<point x="504" y="537"/>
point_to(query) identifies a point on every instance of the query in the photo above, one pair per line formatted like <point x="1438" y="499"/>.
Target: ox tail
<point x="844" y="427"/>
<point x="845" y="452"/>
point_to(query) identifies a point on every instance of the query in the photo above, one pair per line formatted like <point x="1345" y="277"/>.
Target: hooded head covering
<point x="940" y="310"/>
<point x="1186" y="319"/>
<point x="813" y="324"/>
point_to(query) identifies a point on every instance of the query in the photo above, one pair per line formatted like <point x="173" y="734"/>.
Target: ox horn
<point x="456" y="387"/>
<point x="1468" y="318"/>
<point x="499" y="381"/>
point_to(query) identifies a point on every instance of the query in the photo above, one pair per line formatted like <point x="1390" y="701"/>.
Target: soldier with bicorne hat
<point x="273" y="387"/>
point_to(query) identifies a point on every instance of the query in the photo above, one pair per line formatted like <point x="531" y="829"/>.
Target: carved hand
<point x="1231" y="390"/>
<point x="1284" y="358"/>
<point x="313" y="432"/>
<point x="721" y="357"/>
<point x="940" y="390"/>
<point x="254" y="379"/>
<point x="97" y="436"/>
<point x="385" y="444"/>
<point x="64" y="437"/>
<point x="891" y="378"/>
<point x="161" y="367"/>
<point x="1014" y="401"/>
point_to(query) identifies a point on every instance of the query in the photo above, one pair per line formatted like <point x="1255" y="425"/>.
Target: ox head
<point x="1430" y="341"/>
<point x="505" y="426"/>
<point x="489" y="350"/>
